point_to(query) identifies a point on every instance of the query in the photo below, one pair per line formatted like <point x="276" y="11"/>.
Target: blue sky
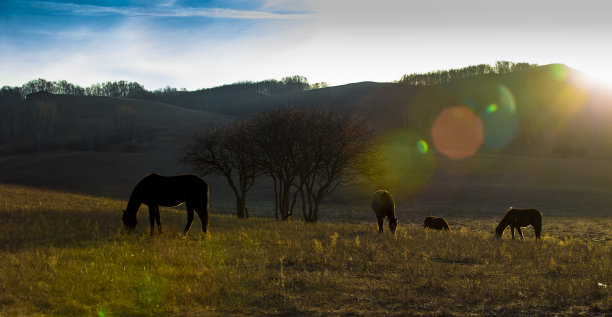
<point x="201" y="44"/>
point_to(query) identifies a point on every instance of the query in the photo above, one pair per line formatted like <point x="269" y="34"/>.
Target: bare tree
<point x="309" y="153"/>
<point x="276" y="138"/>
<point x="228" y="152"/>
<point x="337" y="147"/>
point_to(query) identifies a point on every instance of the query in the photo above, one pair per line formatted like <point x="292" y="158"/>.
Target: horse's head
<point x="499" y="231"/>
<point x="129" y="221"/>
<point x="393" y="225"/>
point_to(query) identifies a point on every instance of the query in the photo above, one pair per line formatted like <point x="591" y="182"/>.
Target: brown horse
<point x="517" y="218"/>
<point x="384" y="206"/>
<point x="437" y="223"/>
<point x="155" y="190"/>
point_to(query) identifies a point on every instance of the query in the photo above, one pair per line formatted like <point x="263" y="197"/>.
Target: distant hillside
<point x="88" y="123"/>
<point x="542" y="138"/>
<point x="546" y="110"/>
<point x="98" y="145"/>
<point x="243" y="99"/>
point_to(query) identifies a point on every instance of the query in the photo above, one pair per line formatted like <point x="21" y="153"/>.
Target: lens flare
<point x="422" y="147"/>
<point x="506" y="98"/>
<point x="406" y="166"/>
<point x="457" y="132"/>
<point x="500" y="121"/>
<point x="471" y="104"/>
<point x="491" y="108"/>
<point x="558" y="72"/>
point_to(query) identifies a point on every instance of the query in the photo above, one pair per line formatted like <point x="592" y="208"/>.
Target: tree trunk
<point x="315" y="211"/>
<point x="246" y="211"/>
<point x="303" y="203"/>
<point x="284" y="203"/>
<point x="275" y="199"/>
<point x="241" y="210"/>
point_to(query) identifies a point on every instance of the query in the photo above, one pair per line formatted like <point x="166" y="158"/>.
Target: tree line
<point x="205" y="99"/>
<point x="446" y="76"/>
<point x="246" y="97"/>
<point x="307" y="153"/>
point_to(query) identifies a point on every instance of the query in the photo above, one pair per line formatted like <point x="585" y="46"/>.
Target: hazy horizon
<point x="203" y="44"/>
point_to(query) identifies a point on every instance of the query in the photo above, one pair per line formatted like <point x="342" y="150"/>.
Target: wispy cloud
<point x="186" y="43"/>
<point x="167" y="9"/>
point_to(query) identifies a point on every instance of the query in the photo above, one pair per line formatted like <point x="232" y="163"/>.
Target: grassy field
<point x="65" y="254"/>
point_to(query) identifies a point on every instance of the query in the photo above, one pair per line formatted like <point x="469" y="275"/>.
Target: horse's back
<point x="171" y="190"/>
<point x="435" y="223"/>
<point x="383" y="203"/>
<point x="525" y="217"/>
<point x="190" y="180"/>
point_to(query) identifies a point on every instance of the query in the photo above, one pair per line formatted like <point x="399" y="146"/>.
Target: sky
<point x="203" y="44"/>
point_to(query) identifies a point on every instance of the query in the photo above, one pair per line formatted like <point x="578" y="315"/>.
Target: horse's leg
<point x="158" y="219"/>
<point x="152" y="217"/>
<point x="518" y="229"/>
<point x="189" y="217"/>
<point x="512" y="231"/>
<point x="380" y="223"/>
<point x="203" y="217"/>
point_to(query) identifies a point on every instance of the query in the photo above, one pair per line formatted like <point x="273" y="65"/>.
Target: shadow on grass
<point x="27" y="230"/>
<point x="22" y="230"/>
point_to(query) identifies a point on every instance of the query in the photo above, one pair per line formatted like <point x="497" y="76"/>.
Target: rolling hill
<point x="112" y="165"/>
<point x="545" y="142"/>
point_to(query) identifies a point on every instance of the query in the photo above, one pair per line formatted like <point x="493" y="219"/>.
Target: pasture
<point x="67" y="254"/>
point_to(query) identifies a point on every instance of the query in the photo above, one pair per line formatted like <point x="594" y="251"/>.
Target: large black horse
<point x="156" y="190"/>
<point x="384" y="207"/>
<point x="517" y="218"/>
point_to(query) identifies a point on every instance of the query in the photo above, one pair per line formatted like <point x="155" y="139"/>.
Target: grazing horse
<point x="437" y="223"/>
<point x="384" y="206"/>
<point x="156" y="190"/>
<point x="517" y="218"/>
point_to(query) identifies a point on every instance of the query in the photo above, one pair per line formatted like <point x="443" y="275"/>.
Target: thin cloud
<point x="167" y="10"/>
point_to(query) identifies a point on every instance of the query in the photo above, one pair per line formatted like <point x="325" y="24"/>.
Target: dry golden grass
<point x="65" y="254"/>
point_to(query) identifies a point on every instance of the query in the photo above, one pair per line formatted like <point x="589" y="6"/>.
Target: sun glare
<point x="600" y="79"/>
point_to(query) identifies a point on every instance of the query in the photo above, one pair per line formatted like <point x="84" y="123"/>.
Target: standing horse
<point x="437" y="223"/>
<point x="384" y="206"/>
<point x="155" y="190"/>
<point x="517" y="218"/>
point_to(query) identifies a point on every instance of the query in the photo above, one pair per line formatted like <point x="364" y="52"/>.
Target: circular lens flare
<point x="457" y="132"/>
<point x="405" y="165"/>
<point x="558" y="72"/>
<point x="491" y="108"/>
<point x="500" y="121"/>
<point x="422" y="147"/>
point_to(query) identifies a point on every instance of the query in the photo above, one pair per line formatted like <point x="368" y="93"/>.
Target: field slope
<point x="66" y="254"/>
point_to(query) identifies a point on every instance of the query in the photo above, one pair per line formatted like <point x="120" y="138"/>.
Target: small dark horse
<point x="384" y="206"/>
<point x="517" y="218"/>
<point x="155" y="190"/>
<point x="437" y="223"/>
